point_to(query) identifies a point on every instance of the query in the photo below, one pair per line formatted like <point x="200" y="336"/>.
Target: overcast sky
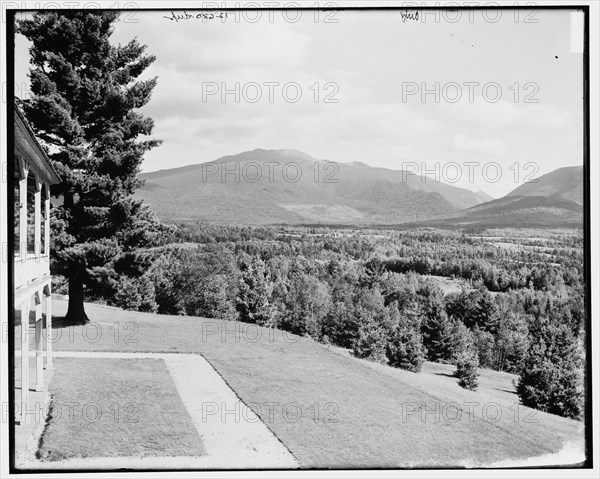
<point x="375" y="64"/>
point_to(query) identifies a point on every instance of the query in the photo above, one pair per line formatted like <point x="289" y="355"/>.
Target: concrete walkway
<point x="26" y="434"/>
<point x="233" y="436"/>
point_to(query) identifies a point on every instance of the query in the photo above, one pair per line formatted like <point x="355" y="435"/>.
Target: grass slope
<point x="332" y="410"/>
<point x="116" y="407"/>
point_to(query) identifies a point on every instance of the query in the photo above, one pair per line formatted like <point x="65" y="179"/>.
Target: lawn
<point x="333" y="410"/>
<point x="116" y="407"/>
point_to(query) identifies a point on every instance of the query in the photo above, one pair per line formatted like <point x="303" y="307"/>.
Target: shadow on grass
<point x="506" y="391"/>
<point x="448" y="375"/>
<point x="59" y="322"/>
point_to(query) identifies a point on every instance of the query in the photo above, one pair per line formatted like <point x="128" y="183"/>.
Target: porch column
<point x="38" y="218"/>
<point x="23" y="214"/>
<point x="24" y="406"/>
<point x="46" y="207"/>
<point x="39" y="351"/>
<point x="49" y="336"/>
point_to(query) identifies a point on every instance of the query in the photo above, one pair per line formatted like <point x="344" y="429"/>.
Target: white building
<point x="33" y="176"/>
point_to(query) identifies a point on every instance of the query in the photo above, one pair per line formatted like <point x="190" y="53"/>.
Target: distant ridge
<point x="565" y="183"/>
<point x="553" y="200"/>
<point x="261" y="188"/>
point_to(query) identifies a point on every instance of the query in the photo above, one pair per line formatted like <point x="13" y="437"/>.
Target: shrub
<point x="466" y="371"/>
<point x="135" y="294"/>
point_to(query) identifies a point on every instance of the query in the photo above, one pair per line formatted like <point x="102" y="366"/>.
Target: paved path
<point x="233" y="436"/>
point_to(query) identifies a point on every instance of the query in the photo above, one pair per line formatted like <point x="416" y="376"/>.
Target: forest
<point x="510" y="300"/>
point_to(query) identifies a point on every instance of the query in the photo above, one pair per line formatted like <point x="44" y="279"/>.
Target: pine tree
<point x="437" y="330"/>
<point x="307" y="302"/>
<point x="461" y="339"/>
<point x="85" y="94"/>
<point x="474" y="308"/>
<point x="215" y="299"/>
<point x="405" y="348"/>
<point x="485" y="346"/>
<point x="511" y="344"/>
<point x="372" y="338"/>
<point x="254" y="301"/>
<point x="467" y="362"/>
<point x="551" y="378"/>
<point x="484" y="314"/>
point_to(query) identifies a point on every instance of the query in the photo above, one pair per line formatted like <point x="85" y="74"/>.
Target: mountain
<point x="484" y="196"/>
<point x="552" y="200"/>
<point x="564" y="183"/>
<point x="528" y="211"/>
<point x="290" y="186"/>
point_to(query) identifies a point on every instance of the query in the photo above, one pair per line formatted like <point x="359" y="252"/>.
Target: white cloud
<point x="548" y="116"/>
<point x="202" y="47"/>
<point x="482" y="114"/>
<point x="482" y="146"/>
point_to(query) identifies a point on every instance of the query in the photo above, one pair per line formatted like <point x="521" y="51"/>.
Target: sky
<point x="481" y="102"/>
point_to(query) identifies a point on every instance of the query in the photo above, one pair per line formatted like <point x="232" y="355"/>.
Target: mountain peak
<point x="566" y="182"/>
<point x="293" y="153"/>
<point x="359" y="164"/>
<point x="312" y="192"/>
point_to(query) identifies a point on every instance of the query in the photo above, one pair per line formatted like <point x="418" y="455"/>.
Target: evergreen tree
<point x="474" y="308"/>
<point x="215" y="299"/>
<point x="170" y="274"/>
<point x="307" y="303"/>
<point x="405" y="348"/>
<point x="372" y="338"/>
<point x="83" y="107"/>
<point x="512" y="343"/>
<point x="467" y="363"/>
<point x="485" y="345"/>
<point x="461" y="339"/>
<point x="438" y="337"/>
<point x="551" y="378"/>
<point x="437" y="330"/>
<point x="254" y="302"/>
<point x="484" y="314"/>
<point x="341" y="324"/>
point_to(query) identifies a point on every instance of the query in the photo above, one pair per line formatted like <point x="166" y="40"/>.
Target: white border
<point x="594" y="56"/>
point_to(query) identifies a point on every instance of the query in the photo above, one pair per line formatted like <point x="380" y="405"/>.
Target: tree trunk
<point x="76" y="312"/>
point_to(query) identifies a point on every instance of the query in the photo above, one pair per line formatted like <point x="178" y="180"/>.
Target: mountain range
<point x="291" y="187"/>
<point x="552" y="200"/>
